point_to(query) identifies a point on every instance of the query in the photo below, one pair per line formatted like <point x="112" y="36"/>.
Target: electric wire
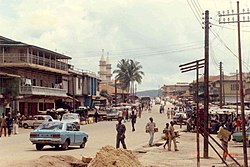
<point x="195" y="14"/>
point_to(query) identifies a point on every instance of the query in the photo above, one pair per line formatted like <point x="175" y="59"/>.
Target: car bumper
<point x="46" y="141"/>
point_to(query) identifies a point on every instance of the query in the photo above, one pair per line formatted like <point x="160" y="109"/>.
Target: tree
<point x="128" y="73"/>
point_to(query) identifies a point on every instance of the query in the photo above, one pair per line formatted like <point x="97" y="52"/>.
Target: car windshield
<point x="51" y="126"/>
<point x="69" y="116"/>
<point x="112" y="112"/>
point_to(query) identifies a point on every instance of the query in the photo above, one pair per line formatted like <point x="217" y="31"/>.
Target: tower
<point x="108" y="69"/>
<point x="102" y="68"/>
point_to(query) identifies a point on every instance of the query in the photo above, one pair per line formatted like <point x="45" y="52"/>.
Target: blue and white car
<point x="58" y="134"/>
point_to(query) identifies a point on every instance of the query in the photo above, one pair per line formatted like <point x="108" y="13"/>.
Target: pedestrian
<point x="224" y="135"/>
<point x="248" y="122"/>
<point x="120" y="137"/>
<point x="150" y="128"/>
<point x="3" y="125"/>
<point x="96" y="115"/>
<point x="168" y="113"/>
<point x="124" y="114"/>
<point x="181" y="120"/>
<point x="172" y="137"/>
<point x="133" y="120"/>
<point x="9" y="123"/>
<point x="15" y="125"/>
<point x="238" y="124"/>
<point x="166" y="132"/>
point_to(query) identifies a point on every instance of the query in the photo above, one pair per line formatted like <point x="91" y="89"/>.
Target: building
<point x="38" y="76"/>
<point x="83" y="86"/>
<point x="105" y="69"/>
<point x="175" y="90"/>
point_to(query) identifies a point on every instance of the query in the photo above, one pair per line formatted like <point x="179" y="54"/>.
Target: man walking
<point x="172" y="137"/>
<point x="120" y="137"/>
<point x="150" y="127"/>
<point x="133" y="120"/>
<point x="9" y="123"/>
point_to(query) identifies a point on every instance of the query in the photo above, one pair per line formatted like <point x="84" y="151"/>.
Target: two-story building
<point x="38" y="77"/>
<point x="177" y="89"/>
<point x="83" y="86"/>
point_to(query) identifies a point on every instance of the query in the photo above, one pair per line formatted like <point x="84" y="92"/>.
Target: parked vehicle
<point x="112" y="114"/>
<point x="36" y="120"/>
<point x="237" y="136"/>
<point x="157" y="100"/>
<point x="58" y="134"/>
<point x="176" y="118"/>
<point x="72" y="117"/>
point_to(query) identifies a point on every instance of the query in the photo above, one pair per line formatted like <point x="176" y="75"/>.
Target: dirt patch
<point x="55" y="161"/>
<point x="108" y="156"/>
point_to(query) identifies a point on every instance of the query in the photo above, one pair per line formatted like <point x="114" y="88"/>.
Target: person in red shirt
<point x="124" y="114"/>
<point x="238" y="123"/>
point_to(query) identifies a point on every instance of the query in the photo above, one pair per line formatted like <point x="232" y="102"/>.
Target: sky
<point x="160" y="34"/>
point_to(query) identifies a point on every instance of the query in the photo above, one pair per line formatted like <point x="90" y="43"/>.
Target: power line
<point x="195" y="14"/>
<point x="225" y="45"/>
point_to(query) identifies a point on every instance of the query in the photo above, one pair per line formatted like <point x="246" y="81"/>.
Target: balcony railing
<point x="32" y="59"/>
<point x="44" y="91"/>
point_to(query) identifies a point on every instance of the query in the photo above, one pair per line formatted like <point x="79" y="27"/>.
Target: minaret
<point x="108" y="69"/>
<point x="102" y="68"/>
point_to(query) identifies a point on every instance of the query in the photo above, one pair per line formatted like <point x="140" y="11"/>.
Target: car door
<point x="70" y="133"/>
<point x="77" y="135"/>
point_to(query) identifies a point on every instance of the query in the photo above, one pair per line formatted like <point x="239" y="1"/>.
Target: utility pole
<point x="221" y="85"/>
<point x="195" y="65"/>
<point x="115" y="92"/>
<point x="237" y="88"/>
<point x="206" y="85"/>
<point x="73" y="89"/>
<point x="240" y="70"/>
<point x="223" y="88"/>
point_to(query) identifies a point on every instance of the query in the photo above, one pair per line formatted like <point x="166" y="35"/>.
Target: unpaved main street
<point x="18" y="148"/>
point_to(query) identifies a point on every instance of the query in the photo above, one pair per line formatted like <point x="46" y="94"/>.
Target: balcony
<point x="43" y="91"/>
<point x="19" y="60"/>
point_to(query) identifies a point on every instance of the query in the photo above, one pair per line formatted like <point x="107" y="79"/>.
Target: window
<point x="79" y="83"/>
<point x="235" y="87"/>
<point x="69" y="127"/>
<point x="33" y="82"/>
<point x="41" y="82"/>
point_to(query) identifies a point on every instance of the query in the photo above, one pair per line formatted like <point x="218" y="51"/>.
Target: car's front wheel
<point x="39" y="146"/>
<point x="25" y="126"/>
<point x="83" y="143"/>
<point x="65" y="145"/>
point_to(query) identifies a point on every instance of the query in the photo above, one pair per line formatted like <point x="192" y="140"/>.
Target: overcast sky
<point x="160" y="34"/>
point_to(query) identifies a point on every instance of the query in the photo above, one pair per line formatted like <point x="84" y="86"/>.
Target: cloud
<point x="160" y="34"/>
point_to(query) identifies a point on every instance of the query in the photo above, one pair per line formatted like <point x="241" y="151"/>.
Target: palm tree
<point x="128" y="72"/>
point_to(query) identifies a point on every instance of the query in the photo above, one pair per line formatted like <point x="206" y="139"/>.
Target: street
<point x="18" y="148"/>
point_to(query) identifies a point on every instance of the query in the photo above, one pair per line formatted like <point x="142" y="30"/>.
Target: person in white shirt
<point x="150" y="128"/>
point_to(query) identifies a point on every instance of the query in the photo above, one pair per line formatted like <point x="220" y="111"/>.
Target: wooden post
<point x="241" y="92"/>
<point x="198" y="115"/>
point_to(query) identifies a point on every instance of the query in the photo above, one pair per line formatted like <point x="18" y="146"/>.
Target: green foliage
<point x="128" y="72"/>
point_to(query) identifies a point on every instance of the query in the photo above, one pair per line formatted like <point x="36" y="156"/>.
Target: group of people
<point x="151" y="129"/>
<point x="8" y="124"/>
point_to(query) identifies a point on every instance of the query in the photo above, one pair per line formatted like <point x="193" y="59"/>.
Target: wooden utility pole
<point x="115" y="92"/>
<point x="221" y="88"/>
<point x="73" y="88"/>
<point x="237" y="89"/>
<point x="240" y="71"/>
<point x="206" y="84"/>
<point x="195" y="65"/>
